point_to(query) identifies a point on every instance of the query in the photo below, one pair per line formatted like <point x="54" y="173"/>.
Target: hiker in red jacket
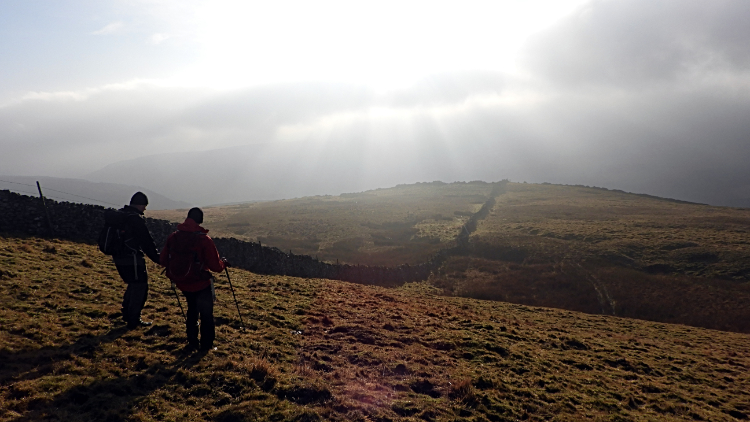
<point x="189" y="255"/>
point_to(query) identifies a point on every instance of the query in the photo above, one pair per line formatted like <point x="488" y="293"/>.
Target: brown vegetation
<point x="406" y="224"/>
<point x="609" y="252"/>
<point x="573" y="247"/>
<point x="653" y="234"/>
<point x="327" y="350"/>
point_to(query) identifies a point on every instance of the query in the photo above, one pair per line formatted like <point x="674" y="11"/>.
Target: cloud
<point x="634" y="95"/>
<point x="112" y="28"/>
<point x="84" y="94"/>
<point x="159" y="38"/>
<point x="55" y="96"/>
<point x="48" y="134"/>
<point x="71" y="133"/>
<point x="315" y="138"/>
<point x="447" y="88"/>
<point x="634" y="44"/>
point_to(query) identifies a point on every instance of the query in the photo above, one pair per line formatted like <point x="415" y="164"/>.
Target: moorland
<point x="406" y="224"/>
<point x="314" y="349"/>
<point x="579" y="248"/>
<point x="609" y="252"/>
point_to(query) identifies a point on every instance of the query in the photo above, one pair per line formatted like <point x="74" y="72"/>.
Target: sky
<point x="224" y="101"/>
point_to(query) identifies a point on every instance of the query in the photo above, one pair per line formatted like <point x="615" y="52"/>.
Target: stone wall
<point x="21" y="214"/>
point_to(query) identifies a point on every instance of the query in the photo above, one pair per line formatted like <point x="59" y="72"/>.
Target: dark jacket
<point x="202" y="246"/>
<point x="140" y="241"/>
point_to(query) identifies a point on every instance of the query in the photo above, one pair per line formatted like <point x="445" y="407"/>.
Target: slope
<point x="610" y="252"/>
<point x="326" y="350"/>
<point x="406" y="224"/>
<point x="572" y="247"/>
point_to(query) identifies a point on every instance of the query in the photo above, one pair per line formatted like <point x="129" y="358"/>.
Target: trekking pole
<point x="176" y="296"/>
<point x="178" y="302"/>
<point x="235" y="298"/>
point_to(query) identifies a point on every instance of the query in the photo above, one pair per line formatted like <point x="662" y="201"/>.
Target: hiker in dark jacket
<point x="131" y="265"/>
<point x="189" y="256"/>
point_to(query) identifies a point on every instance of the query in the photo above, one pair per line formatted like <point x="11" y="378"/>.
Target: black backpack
<point x="115" y="233"/>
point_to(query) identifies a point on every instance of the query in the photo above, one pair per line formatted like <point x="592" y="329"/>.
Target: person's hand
<point x="226" y="263"/>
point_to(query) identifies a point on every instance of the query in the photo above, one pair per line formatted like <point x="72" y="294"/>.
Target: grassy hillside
<point x="657" y="235"/>
<point x="572" y="247"/>
<point x="609" y="252"/>
<point x="327" y="350"/>
<point x="406" y="224"/>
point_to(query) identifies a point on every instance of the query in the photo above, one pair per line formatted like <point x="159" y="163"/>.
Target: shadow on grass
<point x="114" y="399"/>
<point x="32" y="364"/>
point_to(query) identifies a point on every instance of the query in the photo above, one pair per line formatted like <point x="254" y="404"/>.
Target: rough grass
<point x="327" y="350"/>
<point x="656" y="235"/>
<point x="609" y="252"/>
<point x="572" y="247"/>
<point x="406" y="224"/>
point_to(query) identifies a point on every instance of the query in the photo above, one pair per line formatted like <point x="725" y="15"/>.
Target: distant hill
<point x="286" y="169"/>
<point x="86" y="192"/>
<point x="281" y="170"/>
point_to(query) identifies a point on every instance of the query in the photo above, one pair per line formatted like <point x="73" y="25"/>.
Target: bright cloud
<point x="384" y="44"/>
<point x="55" y="96"/>
<point x="110" y="29"/>
<point x="158" y="38"/>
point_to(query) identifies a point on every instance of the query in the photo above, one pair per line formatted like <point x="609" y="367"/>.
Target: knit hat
<point x="139" y="198"/>
<point x="196" y="214"/>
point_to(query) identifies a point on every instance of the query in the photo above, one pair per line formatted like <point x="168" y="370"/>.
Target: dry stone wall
<point x="21" y="214"/>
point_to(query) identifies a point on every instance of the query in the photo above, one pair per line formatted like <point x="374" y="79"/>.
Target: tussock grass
<point x="328" y="350"/>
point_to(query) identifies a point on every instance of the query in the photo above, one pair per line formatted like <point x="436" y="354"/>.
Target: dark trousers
<point x="136" y="294"/>
<point x="200" y="304"/>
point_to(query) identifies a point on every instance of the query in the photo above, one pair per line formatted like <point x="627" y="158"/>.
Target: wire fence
<point x="34" y="192"/>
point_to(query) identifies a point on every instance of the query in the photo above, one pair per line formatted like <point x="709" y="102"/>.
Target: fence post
<point x="44" y="204"/>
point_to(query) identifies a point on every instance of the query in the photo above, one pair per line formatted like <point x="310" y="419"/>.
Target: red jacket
<point x="205" y="252"/>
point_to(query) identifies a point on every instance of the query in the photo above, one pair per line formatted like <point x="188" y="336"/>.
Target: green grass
<point x="329" y="350"/>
